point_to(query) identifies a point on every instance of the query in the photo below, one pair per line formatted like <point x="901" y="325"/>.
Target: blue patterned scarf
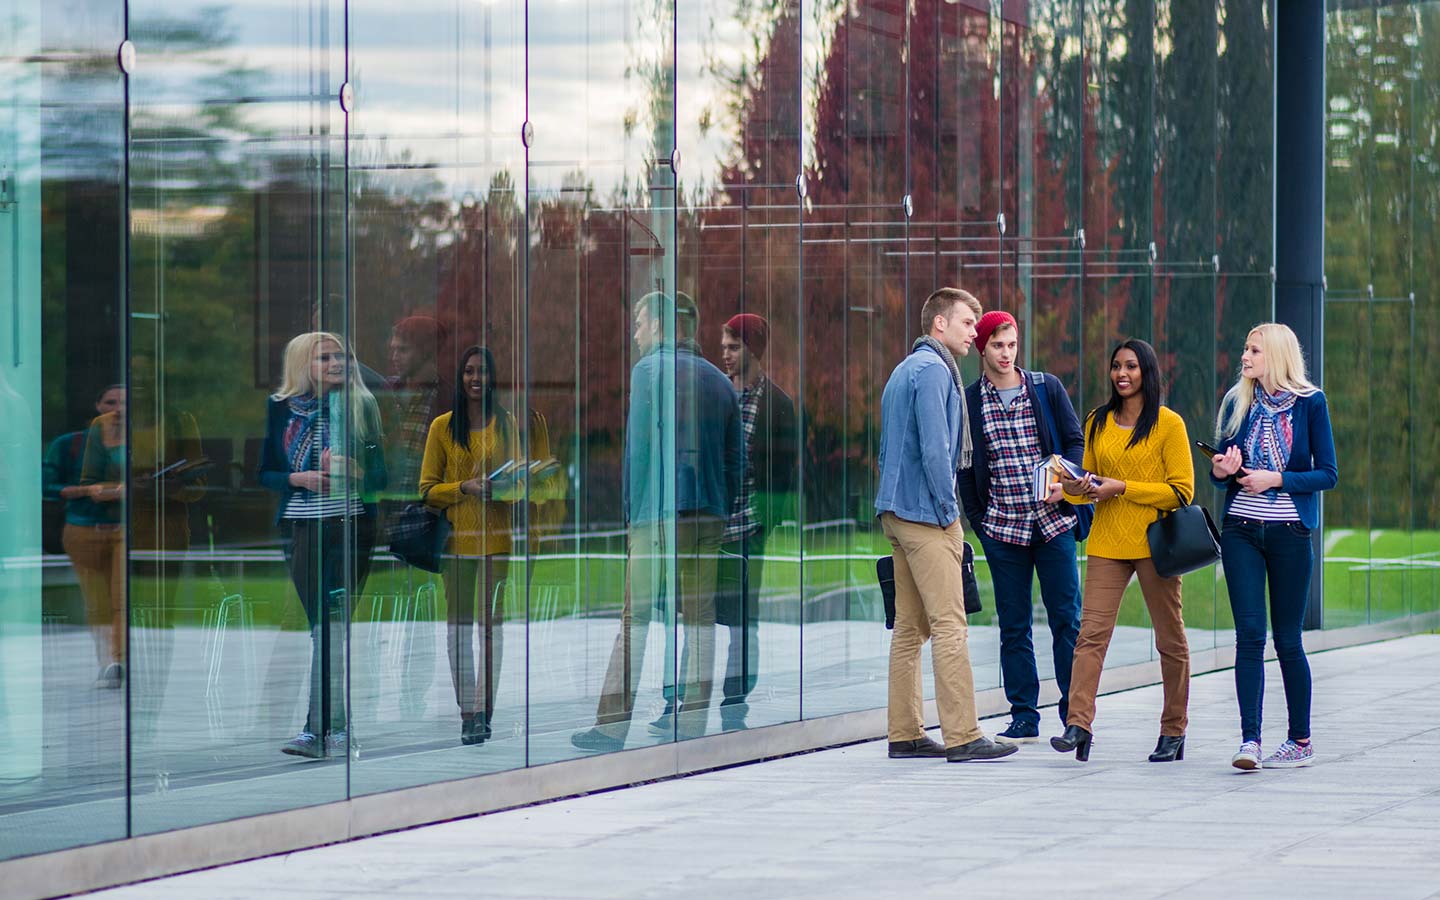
<point x="1269" y="435"/>
<point x="308" y="432"/>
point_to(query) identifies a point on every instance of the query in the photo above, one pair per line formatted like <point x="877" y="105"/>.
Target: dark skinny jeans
<point x="1280" y="553"/>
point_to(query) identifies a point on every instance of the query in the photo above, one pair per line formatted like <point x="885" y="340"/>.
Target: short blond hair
<point x="943" y="302"/>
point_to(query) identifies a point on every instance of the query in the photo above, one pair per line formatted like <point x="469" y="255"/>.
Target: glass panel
<point x="856" y="327"/>
<point x="1349" y="66"/>
<point x="438" y="660"/>
<point x="1425" y="333"/>
<point x="239" y="608"/>
<point x="62" y="622"/>
<point x="602" y="371"/>
<point x="738" y="246"/>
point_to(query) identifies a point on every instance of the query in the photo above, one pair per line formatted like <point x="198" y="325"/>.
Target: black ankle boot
<point x="1075" y="738"/>
<point x="1169" y="749"/>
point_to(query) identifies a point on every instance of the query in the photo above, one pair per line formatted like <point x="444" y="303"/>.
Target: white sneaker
<point x="1248" y="757"/>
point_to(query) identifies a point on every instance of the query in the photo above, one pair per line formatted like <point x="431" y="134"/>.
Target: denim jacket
<point x="709" y="448"/>
<point x="919" y="441"/>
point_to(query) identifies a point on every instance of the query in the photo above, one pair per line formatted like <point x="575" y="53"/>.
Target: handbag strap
<point x="1183" y="502"/>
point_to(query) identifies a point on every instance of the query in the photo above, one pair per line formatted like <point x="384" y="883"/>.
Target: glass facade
<point x="282" y="275"/>
<point x="1382" y="253"/>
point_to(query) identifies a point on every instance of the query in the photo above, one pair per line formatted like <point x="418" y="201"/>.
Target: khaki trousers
<point x="98" y="554"/>
<point x="1105" y="583"/>
<point x="930" y="604"/>
<point x="695" y="558"/>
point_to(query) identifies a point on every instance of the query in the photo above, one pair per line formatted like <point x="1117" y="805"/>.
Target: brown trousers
<point x="930" y="604"/>
<point x="1105" y="583"/>
<point x="695" y="558"/>
<point x="98" y="555"/>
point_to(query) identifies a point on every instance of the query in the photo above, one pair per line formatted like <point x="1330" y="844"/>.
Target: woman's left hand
<point x="1104" y="488"/>
<point x="1260" y="481"/>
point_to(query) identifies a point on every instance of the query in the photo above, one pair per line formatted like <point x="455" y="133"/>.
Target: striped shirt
<point x="309" y="505"/>
<point x="1268" y="507"/>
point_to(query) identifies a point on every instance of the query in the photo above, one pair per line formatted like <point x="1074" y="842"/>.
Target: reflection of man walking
<point x="924" y="438"/>
<point x="767" y="420"/>
<point x="706" y="465"/>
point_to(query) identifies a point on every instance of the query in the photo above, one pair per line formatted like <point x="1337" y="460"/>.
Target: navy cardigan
<point x="973" y="484"/>
<point x="275" y="468"/>
<point x="1312" y="466"/>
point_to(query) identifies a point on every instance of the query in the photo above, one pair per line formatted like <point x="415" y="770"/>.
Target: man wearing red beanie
<point x="767" y="419"/>
<point x="1020" y="418"/>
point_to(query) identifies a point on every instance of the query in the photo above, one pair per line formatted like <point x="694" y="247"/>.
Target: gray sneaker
<point x="304" y="744"/>
<point x="979" y="750"/>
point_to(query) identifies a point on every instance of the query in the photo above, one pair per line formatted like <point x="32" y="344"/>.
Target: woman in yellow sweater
<point x="463" y="448"/>
<point x="1138" y="454"/>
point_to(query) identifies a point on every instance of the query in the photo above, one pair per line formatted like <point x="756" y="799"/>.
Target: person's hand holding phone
<point x="1223" y="465"/>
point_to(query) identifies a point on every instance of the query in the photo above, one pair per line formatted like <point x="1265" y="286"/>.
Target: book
<point x="507" y="482"/>
<point x="1048" y="471"/>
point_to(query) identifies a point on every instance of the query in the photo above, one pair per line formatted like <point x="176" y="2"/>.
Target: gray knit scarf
<point x="966" y="450"/>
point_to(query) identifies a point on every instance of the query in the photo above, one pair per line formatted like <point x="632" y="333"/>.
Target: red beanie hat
<point x="988" y="323"/>
<point x="752" y="330"/>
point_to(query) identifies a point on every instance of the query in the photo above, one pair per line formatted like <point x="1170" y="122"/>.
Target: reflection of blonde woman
<point x="94" y="537"/>
<point x="322" y="455"/>
<point x="463" y="448"/>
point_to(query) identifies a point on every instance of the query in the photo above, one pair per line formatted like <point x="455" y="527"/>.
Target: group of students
<point x="945" y="444"/>
<point x="323" y="455"/>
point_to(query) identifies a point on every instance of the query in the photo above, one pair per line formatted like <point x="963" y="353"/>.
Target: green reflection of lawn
<point x="1370" y="576"/>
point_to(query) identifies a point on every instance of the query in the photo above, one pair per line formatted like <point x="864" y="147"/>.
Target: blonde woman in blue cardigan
<point x="1276" y="455"/>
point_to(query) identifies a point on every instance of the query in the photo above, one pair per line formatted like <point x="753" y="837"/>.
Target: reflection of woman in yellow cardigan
<point x="463" y="448"/>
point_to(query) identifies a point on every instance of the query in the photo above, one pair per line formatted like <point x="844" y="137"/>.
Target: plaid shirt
<point x="1012" y="443"/>
<point x="744" y="518"/>
<point x="411" y="409"/>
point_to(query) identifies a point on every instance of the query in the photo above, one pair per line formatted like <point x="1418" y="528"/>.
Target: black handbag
<point x="885" y="573"/>
<point x="418" y="535"/>
<point x="1184" y="540"/>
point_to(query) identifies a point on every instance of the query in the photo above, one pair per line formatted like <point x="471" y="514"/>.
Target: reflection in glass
<point x="322" y="455"/>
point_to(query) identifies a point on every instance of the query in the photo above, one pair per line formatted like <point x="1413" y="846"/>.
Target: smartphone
<point x="1206" y="448"/>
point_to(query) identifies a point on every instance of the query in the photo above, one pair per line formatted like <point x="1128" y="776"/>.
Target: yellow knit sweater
<point x="1148" y="470"/>
<point x="480" y="527"/>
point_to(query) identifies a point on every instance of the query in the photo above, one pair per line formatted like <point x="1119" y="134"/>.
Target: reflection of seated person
<point x="706" y="472"/>
<point x="93" y="537"/>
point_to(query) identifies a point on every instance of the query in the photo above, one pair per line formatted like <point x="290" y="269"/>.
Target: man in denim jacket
<point x="924" y="439"/>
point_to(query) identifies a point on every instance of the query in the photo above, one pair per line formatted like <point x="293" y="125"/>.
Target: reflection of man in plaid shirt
<point x="412" y="403"/>
<point x="767" y="418"/>
<point x="1022" y="537"/>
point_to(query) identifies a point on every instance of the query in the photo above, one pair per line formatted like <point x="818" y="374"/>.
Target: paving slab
<point x="1364" y="821"/>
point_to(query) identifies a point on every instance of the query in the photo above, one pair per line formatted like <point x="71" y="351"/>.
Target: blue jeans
<point x="1280" y="552"/>
<point x="1012" y="567"/>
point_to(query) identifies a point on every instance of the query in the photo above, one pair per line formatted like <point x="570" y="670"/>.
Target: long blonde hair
<point x="364" y="412"/>
<point x="1284" y="371"/>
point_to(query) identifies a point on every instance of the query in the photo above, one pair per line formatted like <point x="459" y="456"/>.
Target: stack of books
<point x="508" y="481"/>
<point x="1049" y="470"/>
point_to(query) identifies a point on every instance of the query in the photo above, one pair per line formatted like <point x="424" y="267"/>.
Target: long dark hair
<point x="460" y="410"/>
<point x="1149" y="390"/>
